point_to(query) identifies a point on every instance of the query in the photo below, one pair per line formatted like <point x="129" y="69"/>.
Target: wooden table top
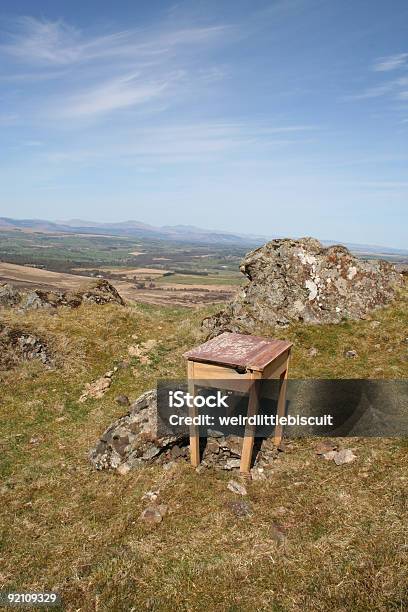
<point x="239" y="351"/>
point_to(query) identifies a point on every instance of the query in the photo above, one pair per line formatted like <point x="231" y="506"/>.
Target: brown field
<point x="171" y="295"/>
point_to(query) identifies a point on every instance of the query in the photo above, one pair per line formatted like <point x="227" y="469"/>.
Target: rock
<point x="122" y="400"/>
<point x="258" y="473"/>
<point x="97" y="292"/>
<point x="96" y="389"/>
<point x="151" y="495"/>
<point x="151" y="452"/>
<point x="300" y="280"/>
<point x="329" y="455"/>
<point x="239" y="508"/>
<point x="236" y="487"/>
<point x="176" y="452"/>
<point x="17" y="345"/>
<point x="151" y="515"/>
<point x="9" y="295"/>
<point x="351" y="354"/>
<point x="123" y="469"/>
<point x="232" y="464"/>
<point x="325" y="446"/>
<point x="136" y="438"/>
<point x="36" y="299"/>
<point x="340" y="457"/>
<point x="344" y="456"/>
<point x="312" y="352"/>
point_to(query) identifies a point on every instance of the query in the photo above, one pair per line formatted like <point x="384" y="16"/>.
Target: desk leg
<point x="281" y="408"/>
<point x="248" y="443"/>
<point x="194" y="430"/>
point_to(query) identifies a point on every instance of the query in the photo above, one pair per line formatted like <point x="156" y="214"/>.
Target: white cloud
<point x="100" y="74"/>
<point x="391" y="62"/>
<point x="118" y="93"/>
<point x="55" y="43"/>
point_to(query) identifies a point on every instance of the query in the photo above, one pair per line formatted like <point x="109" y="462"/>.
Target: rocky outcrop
<point x="138" y="439"/>
<point x="300" y="280"/>
<point x="133" y="439"/>
<point x="17" y="345"/>
<point x="9" y="296"/>
<point x="98" y="291"/>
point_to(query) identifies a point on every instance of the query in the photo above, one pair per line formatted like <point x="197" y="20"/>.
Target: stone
<point x="138" y="437"/>
<point x="240" y="508"/>
<point x="123" y="469"/>
<point x="329" y="455"/>
<point x="344" y="456"/>
<point x="176" y="452"/>
<point x="151" y="515"/>
<point x="151" y="495"/>
<point x="236" y="487"/>
<point x="258" y="473"/>
<point x="232" y="464"/>
<point x="9" y="295"/>
<point x="303" y="281"/>
<point x="351" y="354"/>
<point x="325" y="446"/>
<point x="96" y="389"/>
<point x="98" y="291"/>
<point x="122" y="400"/>
<point x="340" y="457"/>
<point x="17" y="345"/>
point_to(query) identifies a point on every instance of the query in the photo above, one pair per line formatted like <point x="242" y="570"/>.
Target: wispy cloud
<point x="187" y="142"/>
<point x="391" y="62"/>
<point x="117" y="93"/>
<point x="57" y="43"/>
<point x="96" y="75"/>
<point x="395" y="87"/>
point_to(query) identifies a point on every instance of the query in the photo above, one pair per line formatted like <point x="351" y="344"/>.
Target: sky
<point x="287" y="117"/>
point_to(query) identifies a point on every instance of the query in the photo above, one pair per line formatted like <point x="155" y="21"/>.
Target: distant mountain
<point x="177" y="233"/>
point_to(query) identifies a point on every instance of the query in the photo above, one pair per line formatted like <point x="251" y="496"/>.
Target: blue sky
<point x="286" y="117"/>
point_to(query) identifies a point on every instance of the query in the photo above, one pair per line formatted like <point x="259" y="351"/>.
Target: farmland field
<point x="150" y="271"/>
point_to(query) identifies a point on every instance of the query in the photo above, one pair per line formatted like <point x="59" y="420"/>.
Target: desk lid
<point x="239" y="351"/>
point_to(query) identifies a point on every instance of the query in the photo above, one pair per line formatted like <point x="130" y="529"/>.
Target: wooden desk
<point x="238" y="357"/>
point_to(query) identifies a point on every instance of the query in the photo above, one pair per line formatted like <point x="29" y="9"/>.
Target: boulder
<point x="140" y="438"/>
<point x="17" y="345"/>
<point x="301" y="280"/>
<point x="98" y="291"/>
<point x="9" y="295"/>
<point x="135" y="438"/>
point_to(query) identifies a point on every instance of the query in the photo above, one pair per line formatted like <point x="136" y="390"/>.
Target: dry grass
<point x="68" y="528"/>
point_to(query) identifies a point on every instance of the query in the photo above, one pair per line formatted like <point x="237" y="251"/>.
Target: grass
<point x="68" y="528"/>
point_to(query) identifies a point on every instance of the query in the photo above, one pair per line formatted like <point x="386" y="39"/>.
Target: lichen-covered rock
<point x="140" y="438"/>
<point x="135" y="438"/>
<point x="98" y="291"/>
<point x="300" y="280"/>
<point x="17" y="345"/>
<point x="9" y="295"/>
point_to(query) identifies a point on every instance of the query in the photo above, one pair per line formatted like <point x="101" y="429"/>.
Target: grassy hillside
<point x="320" y="537"/>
